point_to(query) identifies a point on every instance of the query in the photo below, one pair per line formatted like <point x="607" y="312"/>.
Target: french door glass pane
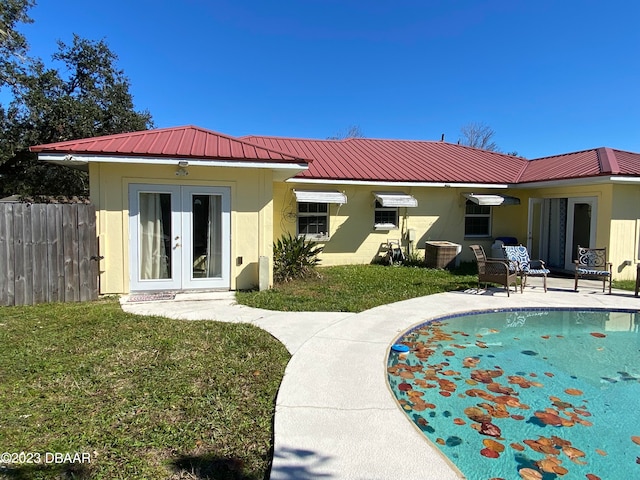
<point x="206" y="235"/>
<point x="155" y="235"/>
<point x="581" y="227"/>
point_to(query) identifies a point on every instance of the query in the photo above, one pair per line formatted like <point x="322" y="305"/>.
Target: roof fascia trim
<point x="318" y="181"/>
<point x="62" y="159"/>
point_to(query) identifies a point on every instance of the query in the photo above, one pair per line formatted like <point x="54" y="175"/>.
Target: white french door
<point x="179" y="237"/>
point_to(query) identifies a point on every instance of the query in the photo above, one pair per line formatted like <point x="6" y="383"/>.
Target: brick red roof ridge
<point x="345" y="140"/>
<point x="608" y="160"/>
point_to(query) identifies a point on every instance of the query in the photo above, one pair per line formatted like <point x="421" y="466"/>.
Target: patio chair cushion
<point x="590" y="271"/>
<point x="520" y="255"/>
<point x="538" y="271"/>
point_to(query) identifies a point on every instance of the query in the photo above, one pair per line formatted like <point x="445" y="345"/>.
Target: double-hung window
<point x="313" y="212"/>
<point x="477" y="220"/>
<point x="313" y="220"/>
<point x="385" y="218"/>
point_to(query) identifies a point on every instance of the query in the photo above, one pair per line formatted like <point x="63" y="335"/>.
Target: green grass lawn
<point x="145" y="397"/>
<point x="355" y="288"/>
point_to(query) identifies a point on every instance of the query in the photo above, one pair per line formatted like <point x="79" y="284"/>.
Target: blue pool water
<point x="533" y="394"/>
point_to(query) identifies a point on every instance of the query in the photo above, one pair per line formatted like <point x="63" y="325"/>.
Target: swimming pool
<point x="533" y="394"/>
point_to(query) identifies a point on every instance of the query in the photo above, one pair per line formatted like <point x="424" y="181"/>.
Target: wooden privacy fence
<point x="48" y="253"/>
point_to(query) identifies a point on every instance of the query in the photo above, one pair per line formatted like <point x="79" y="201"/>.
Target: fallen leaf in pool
<point x="404" y="387"/>
<point x="573" y="391"/>
<point x="549" y="418"/>
<point x="493" y="445"/>
<point x="548" y="464"/>
<point x="459" y="421"/>
<point x="477" y="415"/>
<point x="591" y="476"/>
<point x="419" y="407"/>
<point x="495" y="387"/>
<point x="517" y="446"/>
<point x="530" y="353"/>
<point x="530" y="474"/>
<point x="440" y="441"/>
<point x="422" y="421"/>
<point x="444" y="393"/>
<point x="546" y="337"/>
<point x="406" y="375"/>
<point x="601" y="452"/>
<point x="598" y="334"/>
<point x="448" y="353"/>
<point x="635" y="439"/>
<point x="490" y="429"/>
<point x="560" y="470"/>
<point x="517" y="417"/>
<point x="548" y="374"/>
<point x="572" y="452"/>
<point x="487" y="452"/>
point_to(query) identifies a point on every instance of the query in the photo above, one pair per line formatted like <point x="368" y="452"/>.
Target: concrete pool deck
<point x="335" y="416"/>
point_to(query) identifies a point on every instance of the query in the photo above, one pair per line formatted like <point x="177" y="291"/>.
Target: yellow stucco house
<point x="190" y="209"/>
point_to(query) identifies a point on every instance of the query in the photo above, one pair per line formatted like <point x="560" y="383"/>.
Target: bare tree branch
<point x="478" y="135"/>
<point x="352" y="131"/>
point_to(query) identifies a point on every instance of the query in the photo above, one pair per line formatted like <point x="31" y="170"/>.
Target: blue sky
<point x="549" y="76"/>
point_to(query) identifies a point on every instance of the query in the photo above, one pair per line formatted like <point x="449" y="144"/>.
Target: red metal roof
<point x="358" y="159"/>
<point x="397" y="160"/>
<point x="181" y="142"/>
<point x="587" y="163"/>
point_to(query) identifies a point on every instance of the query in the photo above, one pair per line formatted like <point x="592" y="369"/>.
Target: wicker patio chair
<point x="592" y="264"/>
<point x="526" y="267"/>
<point x="492" y="270"/>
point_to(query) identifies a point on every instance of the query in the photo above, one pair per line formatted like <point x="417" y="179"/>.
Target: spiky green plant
<point x="294" y="257"/>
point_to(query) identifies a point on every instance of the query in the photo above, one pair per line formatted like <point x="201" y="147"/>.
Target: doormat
<point x="151" y="297"/>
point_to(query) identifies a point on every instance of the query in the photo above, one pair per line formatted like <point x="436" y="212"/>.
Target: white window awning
<point x="492" y="200"/>
<point x="315" y="196"/>
<point x="395" y="199"/>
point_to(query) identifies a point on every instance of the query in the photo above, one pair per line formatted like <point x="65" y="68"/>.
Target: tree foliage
<point x="81" y="94"/>
<point x="13" y="45"/>
<point x="478" y="135"/>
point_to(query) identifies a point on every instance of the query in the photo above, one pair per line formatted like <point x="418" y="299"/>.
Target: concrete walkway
<point x="335" y="416"/>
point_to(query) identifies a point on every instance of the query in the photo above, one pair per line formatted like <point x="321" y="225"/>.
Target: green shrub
<point x="294" y="257"/>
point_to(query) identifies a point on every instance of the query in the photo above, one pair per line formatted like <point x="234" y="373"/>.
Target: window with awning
<point x="491" y="200"/>
<point x="386" y="216"/>
<point x="313" y="212"/>
<point x="320" y="196"/>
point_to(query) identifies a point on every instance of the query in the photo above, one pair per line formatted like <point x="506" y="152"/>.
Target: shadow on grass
<point x="211" y="467"/>
<point x="30" y="471"/>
